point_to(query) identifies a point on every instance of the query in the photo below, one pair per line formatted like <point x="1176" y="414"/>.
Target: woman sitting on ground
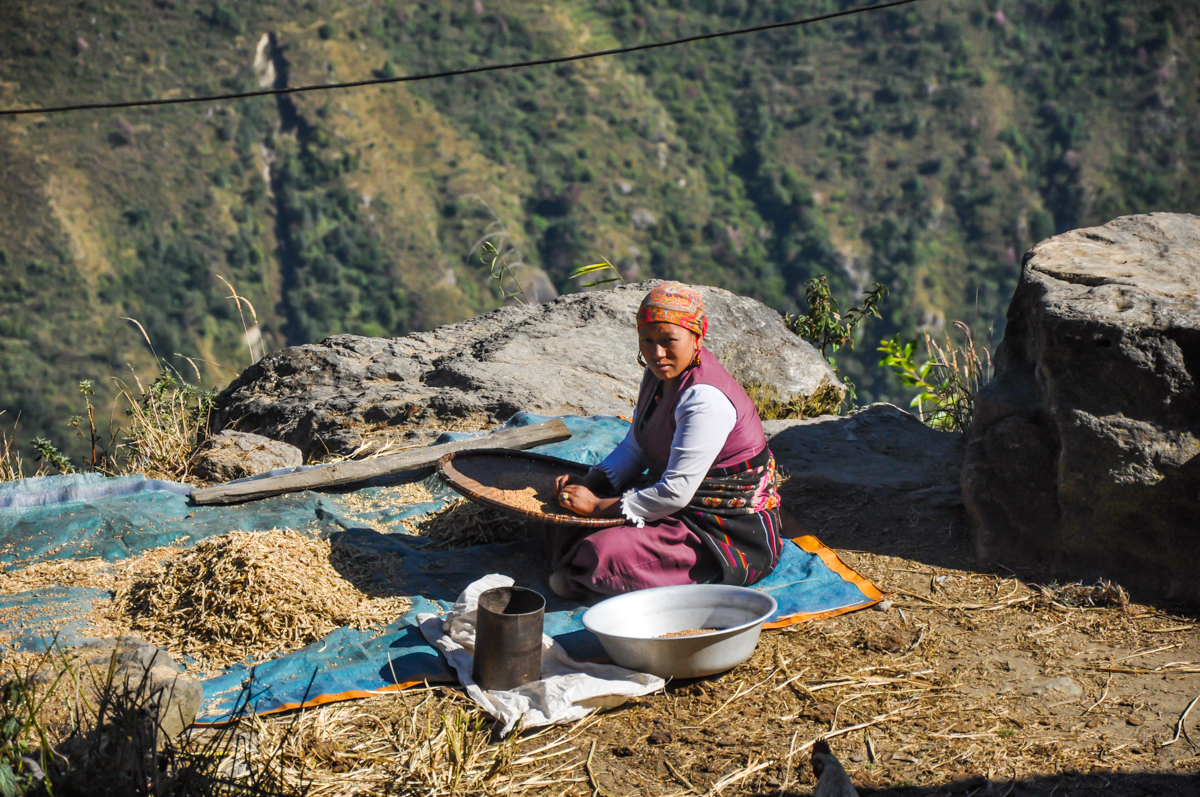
<point x="711" y="513"/>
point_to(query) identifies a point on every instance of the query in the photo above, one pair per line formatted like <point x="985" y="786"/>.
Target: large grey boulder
<point x="875" y="479"/>
<point x="1083" y="453"/>
<point x="576" y="354"/>
<point x="130" y="676"/>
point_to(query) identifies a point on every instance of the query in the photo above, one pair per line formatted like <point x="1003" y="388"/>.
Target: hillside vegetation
<point x="925" y="148"/>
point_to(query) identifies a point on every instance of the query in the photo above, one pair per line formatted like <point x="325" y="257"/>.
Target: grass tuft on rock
<point x="825" y="400"/>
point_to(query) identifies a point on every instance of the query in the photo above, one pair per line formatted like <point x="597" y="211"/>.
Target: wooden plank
<point x="360" y="470"/>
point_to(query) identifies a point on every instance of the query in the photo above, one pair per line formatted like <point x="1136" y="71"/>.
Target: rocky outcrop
<point x="1083" y="453"/>
<point x="130" y="674"/>
<point x="576" y="354"/>
<point x="867" y="479"/>
<point x="233" y="455"/>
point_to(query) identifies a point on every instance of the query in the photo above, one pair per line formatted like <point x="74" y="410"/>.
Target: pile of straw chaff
<point x="250" y="594"/>
<point x="463" y="523"/>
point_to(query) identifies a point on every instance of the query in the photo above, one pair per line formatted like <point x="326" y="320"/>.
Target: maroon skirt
<point x="598" y="564"/>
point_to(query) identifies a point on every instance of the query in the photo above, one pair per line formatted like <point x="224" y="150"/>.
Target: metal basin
<point x="631" y="628"/>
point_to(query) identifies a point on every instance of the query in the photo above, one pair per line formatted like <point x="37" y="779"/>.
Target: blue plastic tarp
<point x="347" y="664"/>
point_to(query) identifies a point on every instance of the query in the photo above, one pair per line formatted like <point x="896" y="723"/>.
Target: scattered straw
<point x="464" y="523"/>
<point x="247" y="594"/>
<point x="364" y="505"/>
<point x="422" y="742"/>
<point x="1102" y="593"/>
<point x="95" y="573"/>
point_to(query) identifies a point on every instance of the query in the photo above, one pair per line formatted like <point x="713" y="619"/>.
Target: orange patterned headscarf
<point x="674" y="303"/>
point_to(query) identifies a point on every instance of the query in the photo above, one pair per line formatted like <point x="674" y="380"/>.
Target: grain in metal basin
<point x="631" y="627"/>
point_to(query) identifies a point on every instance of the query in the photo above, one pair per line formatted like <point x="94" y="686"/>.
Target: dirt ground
<point x="971" y="683"/>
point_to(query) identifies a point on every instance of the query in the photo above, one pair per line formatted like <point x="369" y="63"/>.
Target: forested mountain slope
<point x="925" y="147"/>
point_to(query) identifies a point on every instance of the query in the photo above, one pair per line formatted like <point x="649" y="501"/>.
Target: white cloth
<point x="568" y="690"/>
<point x="704" y="417"/>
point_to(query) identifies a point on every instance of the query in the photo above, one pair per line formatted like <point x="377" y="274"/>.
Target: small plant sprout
<point x="49" y="454"/>
<point x="597" y="268"/>
<point x="502" y="271"/>
<point x="827" y="328"/>
<point x="500" y="253"/>
<point x="99" y="452"/>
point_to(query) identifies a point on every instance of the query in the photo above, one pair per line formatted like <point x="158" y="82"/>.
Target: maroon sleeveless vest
<point x="655" y="433"/>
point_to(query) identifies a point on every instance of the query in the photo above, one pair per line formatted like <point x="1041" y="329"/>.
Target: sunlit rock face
<point x="574" y="355"/>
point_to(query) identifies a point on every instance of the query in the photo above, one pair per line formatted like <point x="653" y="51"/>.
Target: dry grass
<point x="957" y="373"/>
<point x="956" y="681"/>
<point x="939" y="688"/>
<point x="165" y="423"/>
<point x="12" y="467"/>
<point x="95" y="732"/>
<point x="248" y="594"/>
<point x="430" y="742"/>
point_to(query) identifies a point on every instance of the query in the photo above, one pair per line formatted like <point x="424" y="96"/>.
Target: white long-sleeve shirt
<point x="704" y="417"/>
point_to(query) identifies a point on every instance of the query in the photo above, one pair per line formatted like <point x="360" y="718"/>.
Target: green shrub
<point x="224" y="17"/>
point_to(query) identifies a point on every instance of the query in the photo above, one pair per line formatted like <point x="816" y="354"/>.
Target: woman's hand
<point x="578" y="498"/>
<point x="563" y="481"/>
<point x="578" y="494"/>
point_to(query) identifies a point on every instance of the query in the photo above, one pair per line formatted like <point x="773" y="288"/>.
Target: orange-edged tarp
<point x="810" y="583"/>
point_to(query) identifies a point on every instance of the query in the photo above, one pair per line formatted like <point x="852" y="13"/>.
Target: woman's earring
<point x="641" y="360"/>
<point x="696" y="359"/>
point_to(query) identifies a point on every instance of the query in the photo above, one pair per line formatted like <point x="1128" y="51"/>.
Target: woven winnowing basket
<point x="477" y="490"/>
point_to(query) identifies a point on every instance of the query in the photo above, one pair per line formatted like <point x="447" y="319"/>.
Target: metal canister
<point x="508" y="638"/>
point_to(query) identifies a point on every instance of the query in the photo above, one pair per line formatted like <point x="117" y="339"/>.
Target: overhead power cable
<point x="454" y="72"/>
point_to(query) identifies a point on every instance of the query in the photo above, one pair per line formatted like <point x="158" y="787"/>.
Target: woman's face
<point x="667" y="348"/>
